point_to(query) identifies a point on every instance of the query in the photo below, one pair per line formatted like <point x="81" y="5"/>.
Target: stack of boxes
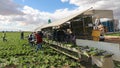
<point x="109" y="25"/>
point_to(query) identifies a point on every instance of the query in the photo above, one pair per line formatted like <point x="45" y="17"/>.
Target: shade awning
<point x="88" y="11"/>
<point x="61" y="21"/>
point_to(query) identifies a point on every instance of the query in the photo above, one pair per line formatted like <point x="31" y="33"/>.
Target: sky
<point x="26" y="15"/>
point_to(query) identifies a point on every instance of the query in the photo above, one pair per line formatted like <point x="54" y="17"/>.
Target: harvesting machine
<point x="89" y="31"/>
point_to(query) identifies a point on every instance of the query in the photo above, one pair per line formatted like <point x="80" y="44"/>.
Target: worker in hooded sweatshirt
<point x="38" y="39"/>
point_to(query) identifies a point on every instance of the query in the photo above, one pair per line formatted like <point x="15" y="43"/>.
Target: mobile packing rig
<point x="82" y="25"/>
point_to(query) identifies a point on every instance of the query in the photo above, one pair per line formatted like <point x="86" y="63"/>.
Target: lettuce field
<point x="114" y="34"/>
<point x="17" y="53"/>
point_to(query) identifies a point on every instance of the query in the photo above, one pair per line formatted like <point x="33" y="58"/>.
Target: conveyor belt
<point x="74" y="53"/>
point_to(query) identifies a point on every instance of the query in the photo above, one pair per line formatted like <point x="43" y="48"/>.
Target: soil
<point x="112" y="39"/>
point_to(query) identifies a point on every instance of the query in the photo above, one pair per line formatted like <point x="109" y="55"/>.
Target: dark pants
<point x="38" y="46"/>
<point x="31" y="43"/>
<point x="102" y="38"/>
<point x="4" y="39"/>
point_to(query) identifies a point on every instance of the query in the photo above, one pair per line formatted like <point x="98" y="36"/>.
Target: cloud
<point x="33" y="18"/>
<point x="8" y="7"/>
<point x="28" y="18"/>
<point x="99" y="4"/>
<point x="64" y="1"/>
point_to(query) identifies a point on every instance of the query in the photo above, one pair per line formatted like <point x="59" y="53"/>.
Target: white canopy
<point x="101" y="13"/>
<point x="61" y="21"/>
<point x="94" y="13"/>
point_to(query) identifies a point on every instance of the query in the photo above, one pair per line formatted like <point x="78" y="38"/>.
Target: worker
<point x="31" y="39"/>
<point x="22" y="35"/>
<point x="4" y="37"/>
<point x="38" y="41"/>
<point x="102" y="31"/>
